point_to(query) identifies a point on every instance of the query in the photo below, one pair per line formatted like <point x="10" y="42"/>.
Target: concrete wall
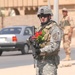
<point x="20" y="20"/>
<point x="28" y="19"/>
<point x="20" y="3"/>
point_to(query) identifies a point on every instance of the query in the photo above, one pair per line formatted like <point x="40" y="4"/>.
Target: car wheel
<point x="25" y="49"/>
<point x="1" y="52"/>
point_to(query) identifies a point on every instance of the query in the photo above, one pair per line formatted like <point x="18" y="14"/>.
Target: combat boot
<point x="67" y="58"/>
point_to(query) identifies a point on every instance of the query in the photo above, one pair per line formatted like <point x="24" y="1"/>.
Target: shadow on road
<point x="16" y="54"/>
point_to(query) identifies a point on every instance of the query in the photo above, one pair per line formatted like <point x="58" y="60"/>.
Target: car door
<point x="29" y="31"/>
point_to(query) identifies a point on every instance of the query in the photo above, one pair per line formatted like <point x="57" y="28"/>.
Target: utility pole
<point x="56" y="10"/>
<point x="2" y="18"/>
<point x="49" y="4"/>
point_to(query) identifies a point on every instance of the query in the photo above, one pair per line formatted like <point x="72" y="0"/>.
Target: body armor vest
<point x="66" y="25"/>
<point x="47" y="35"/>
<point x="65" y="22"/>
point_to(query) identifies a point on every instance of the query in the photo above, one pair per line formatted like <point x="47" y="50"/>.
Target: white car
<point x="15" y="38"/>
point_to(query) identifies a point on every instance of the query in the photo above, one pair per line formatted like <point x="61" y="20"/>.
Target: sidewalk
<point x="67" y="69"/>
<point x="30" y="70"/>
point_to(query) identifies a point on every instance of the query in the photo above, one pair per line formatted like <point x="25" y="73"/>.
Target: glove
<point x="30" y="39"/>
<point x="37" y="51"/>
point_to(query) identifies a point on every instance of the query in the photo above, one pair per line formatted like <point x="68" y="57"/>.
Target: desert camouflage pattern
<point x="67" y="25"/>
<point x="48" y="60"/>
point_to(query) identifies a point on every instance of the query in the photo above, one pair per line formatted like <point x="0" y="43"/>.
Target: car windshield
<point x="16" y="30"/>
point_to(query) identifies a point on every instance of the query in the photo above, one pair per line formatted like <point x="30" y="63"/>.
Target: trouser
<point x="47" y="67"/>
<point x="66" y="43"/>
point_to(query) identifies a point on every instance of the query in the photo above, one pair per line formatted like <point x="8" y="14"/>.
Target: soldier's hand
<point x="71" y="29"/>
<point x="70" y="34"/>
<point x="38" y="51"/>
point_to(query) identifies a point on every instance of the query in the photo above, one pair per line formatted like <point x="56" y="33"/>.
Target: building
<point x="21" y="12"/>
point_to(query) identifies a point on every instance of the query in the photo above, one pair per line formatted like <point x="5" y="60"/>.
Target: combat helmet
<point x="44" y="10"/>
<point x="65" y="9"/>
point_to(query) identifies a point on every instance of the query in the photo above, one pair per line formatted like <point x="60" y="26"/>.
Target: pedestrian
<point x="67" y="25"/>
<point x="48" y="59"/>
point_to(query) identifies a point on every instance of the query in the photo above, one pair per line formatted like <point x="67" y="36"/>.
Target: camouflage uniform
<point x="67" y="26"/>
<point x="48" y="59"/>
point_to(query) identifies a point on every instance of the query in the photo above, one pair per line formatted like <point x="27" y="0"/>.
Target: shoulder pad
<point x="52" y="21"/>
<point x="49" y="26"/>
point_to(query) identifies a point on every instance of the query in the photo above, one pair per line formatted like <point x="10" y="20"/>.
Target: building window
<point x="14" y="12"/>
<point x="45" y="0"/>
<point x="30" y="11"/>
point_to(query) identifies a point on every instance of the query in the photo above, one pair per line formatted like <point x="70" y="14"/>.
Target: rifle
<point x="35" y="46"/>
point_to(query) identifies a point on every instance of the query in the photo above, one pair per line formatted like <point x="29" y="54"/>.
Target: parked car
<point x="15" y="38"/>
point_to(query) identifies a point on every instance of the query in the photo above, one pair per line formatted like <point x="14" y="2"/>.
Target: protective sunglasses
<point x="40" y="16"/>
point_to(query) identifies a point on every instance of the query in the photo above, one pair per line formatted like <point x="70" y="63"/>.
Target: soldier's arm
<point x="70" y="19"/>
<point x="72" y="24"/>
<point x="54" y="41"/>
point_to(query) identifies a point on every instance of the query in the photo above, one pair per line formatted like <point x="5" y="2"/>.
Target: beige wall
<point x="14" y="3"/>
<point x="20" y="20"/>
<point x="19" y="3"/>
<point x="28" y="19"/>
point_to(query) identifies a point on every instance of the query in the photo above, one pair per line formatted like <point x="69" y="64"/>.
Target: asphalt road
<point x="15" y="59"/>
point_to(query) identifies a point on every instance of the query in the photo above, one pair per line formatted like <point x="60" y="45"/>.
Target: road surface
<point x="15" y="59"/>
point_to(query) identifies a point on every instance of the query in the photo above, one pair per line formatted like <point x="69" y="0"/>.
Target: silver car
<point x="15" y="38"/>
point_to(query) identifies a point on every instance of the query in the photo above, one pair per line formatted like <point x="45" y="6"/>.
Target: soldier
<point x="48" y="59"/>
<point x="67" y="25"/>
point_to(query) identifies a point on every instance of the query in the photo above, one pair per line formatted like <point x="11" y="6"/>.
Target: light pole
<point x="49" y="4"/>
<point x="2" y="17"/>
<point x="56" y="10"/>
